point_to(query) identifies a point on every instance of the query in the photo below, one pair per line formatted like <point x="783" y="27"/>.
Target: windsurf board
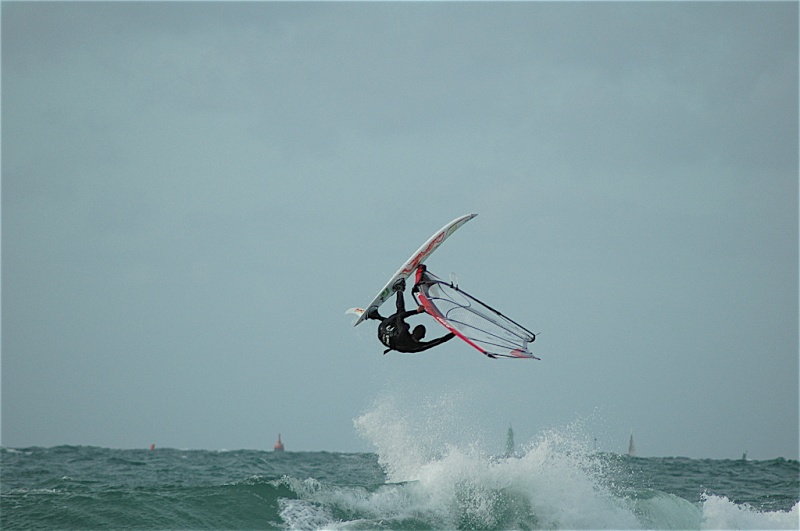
<point x="419" y="257"/>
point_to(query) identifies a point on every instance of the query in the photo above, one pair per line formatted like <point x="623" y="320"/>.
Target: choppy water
<point x="552" y="482"/>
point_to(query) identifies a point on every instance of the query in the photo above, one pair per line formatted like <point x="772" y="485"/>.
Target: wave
<point x="555" y="482"/>
<point x="544" y="488"/>
<point x="433" y="473"/>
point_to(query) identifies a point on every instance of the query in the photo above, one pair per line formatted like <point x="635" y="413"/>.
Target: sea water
<point x="417" y="478"/>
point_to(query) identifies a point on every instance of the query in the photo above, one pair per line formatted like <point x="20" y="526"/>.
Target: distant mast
<point x="279" y="444"/>
<point x="631" y="447"/>
<point x="510" y="443"/>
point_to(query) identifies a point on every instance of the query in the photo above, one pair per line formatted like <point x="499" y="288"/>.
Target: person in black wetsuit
<point x="396" y="334"/>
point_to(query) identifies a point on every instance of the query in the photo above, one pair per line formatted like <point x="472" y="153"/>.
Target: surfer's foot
<point x="400" y="285"/>
<point x="373" y="314"/>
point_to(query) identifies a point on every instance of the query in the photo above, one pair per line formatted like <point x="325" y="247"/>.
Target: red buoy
<point x="279" y="444"/>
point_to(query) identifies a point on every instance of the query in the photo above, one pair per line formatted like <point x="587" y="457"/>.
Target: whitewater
<point x="426" y="472"/>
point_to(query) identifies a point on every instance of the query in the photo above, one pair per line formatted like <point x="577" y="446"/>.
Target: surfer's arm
<point x="425" y="345"/>
<point x="413" y="312"/>
<point x="439" y="340"/>
<point x="446" y="337"/>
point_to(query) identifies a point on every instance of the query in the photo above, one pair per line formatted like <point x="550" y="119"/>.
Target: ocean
<point x="551" y="482"/>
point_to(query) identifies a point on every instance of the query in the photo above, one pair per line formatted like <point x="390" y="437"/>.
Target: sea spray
<point x="721" y="513"/>
<point x="409" y="433"/>
<point x="555" y="482"/>
<point x="441" y="476"/>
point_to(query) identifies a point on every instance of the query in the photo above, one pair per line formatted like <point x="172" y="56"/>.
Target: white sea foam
<point x="555" y="482"/>
<point x="721" y="513"/>
<point x="304" y="514"/>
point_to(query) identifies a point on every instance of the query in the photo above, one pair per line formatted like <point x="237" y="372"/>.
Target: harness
<point x="387" y="333"/>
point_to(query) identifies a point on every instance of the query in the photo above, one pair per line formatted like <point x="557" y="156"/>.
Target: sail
<point x="473" y="321"/>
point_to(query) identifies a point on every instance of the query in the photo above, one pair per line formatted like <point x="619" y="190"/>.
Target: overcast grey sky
<point x="193" y="193"/>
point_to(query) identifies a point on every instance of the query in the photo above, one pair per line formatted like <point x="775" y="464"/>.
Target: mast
<point x="631" y="447"/>
<point x="510" y="442"/>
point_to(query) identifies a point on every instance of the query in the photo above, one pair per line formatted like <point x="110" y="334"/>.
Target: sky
<point x="194" y="193"/>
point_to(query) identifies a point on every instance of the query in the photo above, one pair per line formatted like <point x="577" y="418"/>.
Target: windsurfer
<point x="396" y="334"/>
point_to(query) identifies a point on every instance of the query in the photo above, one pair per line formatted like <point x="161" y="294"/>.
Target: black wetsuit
<point x="395" y="333"/>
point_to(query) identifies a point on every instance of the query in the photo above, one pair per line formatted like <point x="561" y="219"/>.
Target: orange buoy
<point x="279" y="444"/>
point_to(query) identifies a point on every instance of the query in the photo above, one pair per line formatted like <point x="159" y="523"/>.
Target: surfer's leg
<point x="401" y="303"/>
